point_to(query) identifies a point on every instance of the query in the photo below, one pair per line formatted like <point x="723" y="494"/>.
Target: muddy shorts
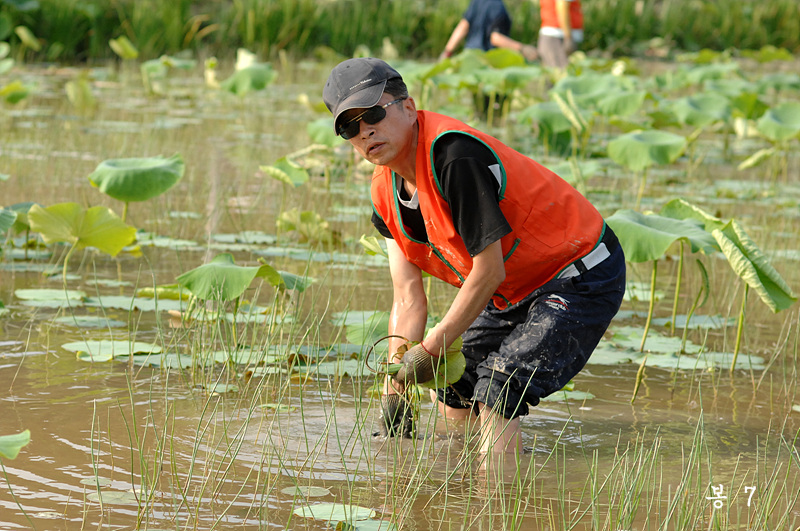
<point x="533" y="348"/>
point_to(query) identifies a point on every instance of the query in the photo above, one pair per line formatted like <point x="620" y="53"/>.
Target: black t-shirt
<point x="468" y="174"/>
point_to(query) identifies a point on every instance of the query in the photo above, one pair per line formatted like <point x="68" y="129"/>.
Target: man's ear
<point x="410" y="105"/>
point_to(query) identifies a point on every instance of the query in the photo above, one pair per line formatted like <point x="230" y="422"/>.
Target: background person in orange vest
<point x="486" y="25"/>
<point x="540" y="274"/>
<point x="561" y="31"/>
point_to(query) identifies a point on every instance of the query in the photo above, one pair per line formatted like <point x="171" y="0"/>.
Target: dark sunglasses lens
<point x="372" y="116"/>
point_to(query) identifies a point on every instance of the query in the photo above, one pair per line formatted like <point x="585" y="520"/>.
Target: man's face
<point x="389" y="140"/>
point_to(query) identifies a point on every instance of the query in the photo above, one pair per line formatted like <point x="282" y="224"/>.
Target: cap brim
<point x="366" y="97"/>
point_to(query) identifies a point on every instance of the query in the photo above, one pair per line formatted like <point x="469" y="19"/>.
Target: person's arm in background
<point x="504" y="41"/>
<point x="562" y="11"/>
<point x="458" y="35"/>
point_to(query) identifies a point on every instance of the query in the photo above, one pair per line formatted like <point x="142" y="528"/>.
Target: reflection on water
<point x="120" y="446"/>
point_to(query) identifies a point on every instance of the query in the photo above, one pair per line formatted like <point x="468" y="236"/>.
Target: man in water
<point x="540" y="273"/>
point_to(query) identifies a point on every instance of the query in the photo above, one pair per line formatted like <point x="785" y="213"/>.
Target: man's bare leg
<point x="498" y="434"/>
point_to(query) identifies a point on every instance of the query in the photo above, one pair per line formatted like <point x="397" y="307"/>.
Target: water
<point x="116" y="445"/>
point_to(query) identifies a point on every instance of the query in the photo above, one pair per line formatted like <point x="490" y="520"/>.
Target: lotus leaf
<point x="10" y="445"/>
<point x="254" y="77"/>
<point x="641" y="149"/>
<point x="590" y="88"/>
<point x="335" y="512"/>
<point x="96" y="227"/>
<point x="779" y="81"/>
<point x="287" y="172"/>
<point x="28" y="38"/>
<point x="5" y="64"/>
<point x="137" y="179"/>
<point x="547" y="114"/>
<point x="701" y="110"/>
<point x="781" y="122"/>
<point x="646" y="237"/>
<point x="223" y="280"/>
<point x="14" y="92"/>
<point x="123" y="47"/>
<point x="752" y="266"/>
<point x="621" y="103"/>
<point x="7" y="219"/>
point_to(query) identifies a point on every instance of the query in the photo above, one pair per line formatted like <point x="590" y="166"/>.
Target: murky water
<point x="118" y="445"/>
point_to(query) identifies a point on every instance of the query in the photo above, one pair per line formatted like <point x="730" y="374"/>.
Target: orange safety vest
<point x="552" y="224"/>
<point x="549" y="15"/>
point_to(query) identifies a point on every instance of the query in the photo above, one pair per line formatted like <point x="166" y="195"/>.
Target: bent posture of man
<point x="540" y="273"/>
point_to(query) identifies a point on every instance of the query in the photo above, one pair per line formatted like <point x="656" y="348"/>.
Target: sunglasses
<point x="372" y="116"/>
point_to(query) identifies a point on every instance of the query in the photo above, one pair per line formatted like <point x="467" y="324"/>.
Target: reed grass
<point x="74" y="30"/>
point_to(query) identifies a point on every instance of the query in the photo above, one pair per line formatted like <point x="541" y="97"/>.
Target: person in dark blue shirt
<point x="486" y="25"/>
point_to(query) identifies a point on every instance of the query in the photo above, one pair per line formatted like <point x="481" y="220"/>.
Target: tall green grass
<point x="79" y="30"/>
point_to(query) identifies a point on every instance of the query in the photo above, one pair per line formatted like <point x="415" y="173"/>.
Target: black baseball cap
<point x="356" y="83"/>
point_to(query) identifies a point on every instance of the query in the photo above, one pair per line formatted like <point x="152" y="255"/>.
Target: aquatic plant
<point x="639" y="150"/>
<point x="97" y="227"/>
<point x="137" y="179"/>
<point x="10" y="445"/>
<point x="646" y="237"/>
<point x="779" y="125"/>
<point x="746" y="259"/>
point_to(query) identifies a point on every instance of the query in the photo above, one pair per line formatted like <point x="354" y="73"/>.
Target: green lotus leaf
<point x="547" y="114"/>
<point x="79" y="93"/>
<point x="641" y="149"/>
<point x="779" y="81"/>
<point x="450" y="371"/>
<point x="28" y="38"/>
<point x="105" y="349"/>
<point x="287" y="172"/>
<point x="700" y="74"/>
<point x="96" y="227"/>
<point x="7" y="219"/>
<point x="124" y="47"/>
<point x="372" y="246"/>
<point x="749" y="106"/>
<point x="781" y="122"/>
<point x="588" y="89"/>
<point x="10" y="445"/>
<point x="14" y="92"/>
<point x="335" y="512"/>
<point x="222" y="279"/>
<point x="137" y="179"/>
<point x="701" y="110"/>
<point x="752" y="266"/>
<point x="5" y="64"/>
<point x="729" y="88"/>
<point x="681" y="209"/>
<point x="5" y="48"/>
<point x="646" y="237"/>
<point x="36" y="294"/>
<point x="254" y="77"/>
<point x="321" y="132"/>
<point x="621" y="103"/>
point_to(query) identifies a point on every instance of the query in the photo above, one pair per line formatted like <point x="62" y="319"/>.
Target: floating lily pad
<point x="123" y="302"/>
<point x="335" y="512"/>
<point x="106" y="349"/>
<point x="724" y="359"/>
<point x="89" y="321"/>
<point x="113" y="498"/>
<point x="49" y="294"/>
<point x="282" y="407"/>
<point x="631" y="337"/>
<point x="697" y="321"/>
<point x="164" y="361"/>
<point x="608" y="354"/>
<point x="341" y="368"/>
<point x="307" y="491"/>
<point x="96" y="481"/>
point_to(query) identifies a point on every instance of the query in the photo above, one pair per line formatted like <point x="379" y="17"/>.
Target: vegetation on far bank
<point x="79" y="30"/>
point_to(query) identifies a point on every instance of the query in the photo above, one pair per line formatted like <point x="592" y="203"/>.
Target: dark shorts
<point x="533" y="348"/>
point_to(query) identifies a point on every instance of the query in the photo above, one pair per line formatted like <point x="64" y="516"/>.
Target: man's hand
<point x="419" y="365"/>
<point x="397" y="419"/>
